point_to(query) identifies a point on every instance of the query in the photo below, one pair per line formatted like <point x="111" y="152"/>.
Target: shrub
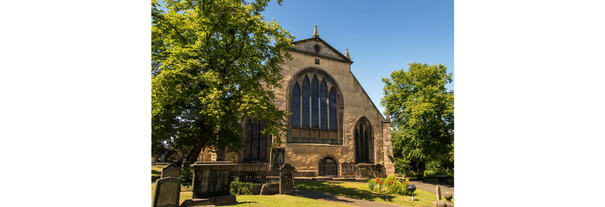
<point x="429" y="174"/>
<point x="372" y="184"/>
<point x="186" y="175"/>
<point x="238" y="188"/>
<point x="388" y="185"/>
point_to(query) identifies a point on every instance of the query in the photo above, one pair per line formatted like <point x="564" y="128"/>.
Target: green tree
<point x="422" y="112"/>
<point x="214" y="62"/>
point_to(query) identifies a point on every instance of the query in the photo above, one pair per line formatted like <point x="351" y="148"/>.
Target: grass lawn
<point x="249" y="200"/>
<point x="156" y="172"/>
<point x="268" y="200"/>
<point x="346" y="189"/>
<point x="360" y="191"/>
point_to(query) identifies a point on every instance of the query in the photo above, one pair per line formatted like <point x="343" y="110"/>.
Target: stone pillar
<point x="387" y="142"/>
<point x="286" y="179"/>
<point x="438" y="191"/>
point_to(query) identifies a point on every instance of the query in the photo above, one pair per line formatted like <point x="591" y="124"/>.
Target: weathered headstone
<point x="163" y="158"/>
<point x="438" y="193"/>
<point x="154" y="159"/>
<point x="167" y="192"/>
<point x="171" y="171"/>
<point x="286" y="179"/>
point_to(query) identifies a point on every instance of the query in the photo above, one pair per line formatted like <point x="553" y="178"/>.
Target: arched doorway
<point x="328" y="167"/>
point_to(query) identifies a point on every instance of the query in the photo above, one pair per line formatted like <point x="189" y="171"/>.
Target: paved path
<point x="433" y="187"/>
<point x="338" y="199"/>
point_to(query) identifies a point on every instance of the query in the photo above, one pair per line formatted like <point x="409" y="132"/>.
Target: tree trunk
<point x="201" y="142"/>
<point x="421" y="168"/>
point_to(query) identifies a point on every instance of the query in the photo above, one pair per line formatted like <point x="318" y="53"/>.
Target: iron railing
<point x="256" y="172"/>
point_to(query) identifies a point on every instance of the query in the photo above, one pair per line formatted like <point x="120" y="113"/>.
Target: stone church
<point x="335" y="130"/>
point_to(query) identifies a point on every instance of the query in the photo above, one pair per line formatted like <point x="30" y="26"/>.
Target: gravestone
<point x="171" y="171"/>
<point x="163" y="158"/>
<point x="286" y="179"/>
<point x="167" y="192"/>
<point x="212" y="179"/>
<point x="154" y="159"/>
<point x="438" y="193"/>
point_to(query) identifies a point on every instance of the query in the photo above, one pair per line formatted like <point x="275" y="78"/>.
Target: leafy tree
<point x="214" y="62"/>
<point x="422" y="112"/>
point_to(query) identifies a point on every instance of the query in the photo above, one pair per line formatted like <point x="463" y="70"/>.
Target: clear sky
<point x="382" y="36"/>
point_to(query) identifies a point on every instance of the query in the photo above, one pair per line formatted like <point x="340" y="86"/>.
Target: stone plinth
<point x="365" y="170"/>
<point x="286" y="179"/>
<point x="211" y="179"/>
<point x="219" y="200"/>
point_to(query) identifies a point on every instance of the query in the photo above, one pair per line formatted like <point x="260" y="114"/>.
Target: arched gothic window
<point x="256" y="141"/>
<point x="364" y="141"/>
<point x="315" y="109"/>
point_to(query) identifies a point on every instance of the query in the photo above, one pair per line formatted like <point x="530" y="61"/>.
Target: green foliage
<point x="388" y="185"/>
<point x="186" y="175"/>
<point x="403" y="166"/>
<point x="429" y="174"/>
<point x="214" y="63"/>
<point x="240" y="188"/>
<point x="422" y="112"/>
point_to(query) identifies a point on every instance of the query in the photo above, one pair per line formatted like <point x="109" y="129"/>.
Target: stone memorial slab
<point x="167" y="192"/>
<point x="163" y="158"/>
<point x="172" y="170"/>
<point x="286" y="179"/>
<point x="212" y="179"/>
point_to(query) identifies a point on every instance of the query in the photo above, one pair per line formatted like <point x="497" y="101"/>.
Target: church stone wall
<point x="305" y="157"/>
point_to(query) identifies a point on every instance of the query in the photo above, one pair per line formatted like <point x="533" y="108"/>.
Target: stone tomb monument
<point x="167" y="192"/>
<point x="286" y="179"/>
<point x="171" y="170"/>
<point x="211" y="184"/>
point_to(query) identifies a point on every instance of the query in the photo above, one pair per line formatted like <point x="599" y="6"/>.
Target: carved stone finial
<point x="315" y="33"/>
<point x="347" y="54"/>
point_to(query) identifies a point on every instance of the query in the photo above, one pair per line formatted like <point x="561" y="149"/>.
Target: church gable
<point x="318" y="47"/>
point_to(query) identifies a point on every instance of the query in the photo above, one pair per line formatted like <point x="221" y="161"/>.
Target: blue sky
<point x="382" y="36"/>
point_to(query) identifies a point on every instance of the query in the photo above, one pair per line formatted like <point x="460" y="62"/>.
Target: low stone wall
<point x="270" y="189"/>
<point x="305" y="173"/>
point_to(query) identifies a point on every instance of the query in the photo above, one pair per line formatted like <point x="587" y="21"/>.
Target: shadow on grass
<point x="335" y="189"/>
<point x="238" y="203"/>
